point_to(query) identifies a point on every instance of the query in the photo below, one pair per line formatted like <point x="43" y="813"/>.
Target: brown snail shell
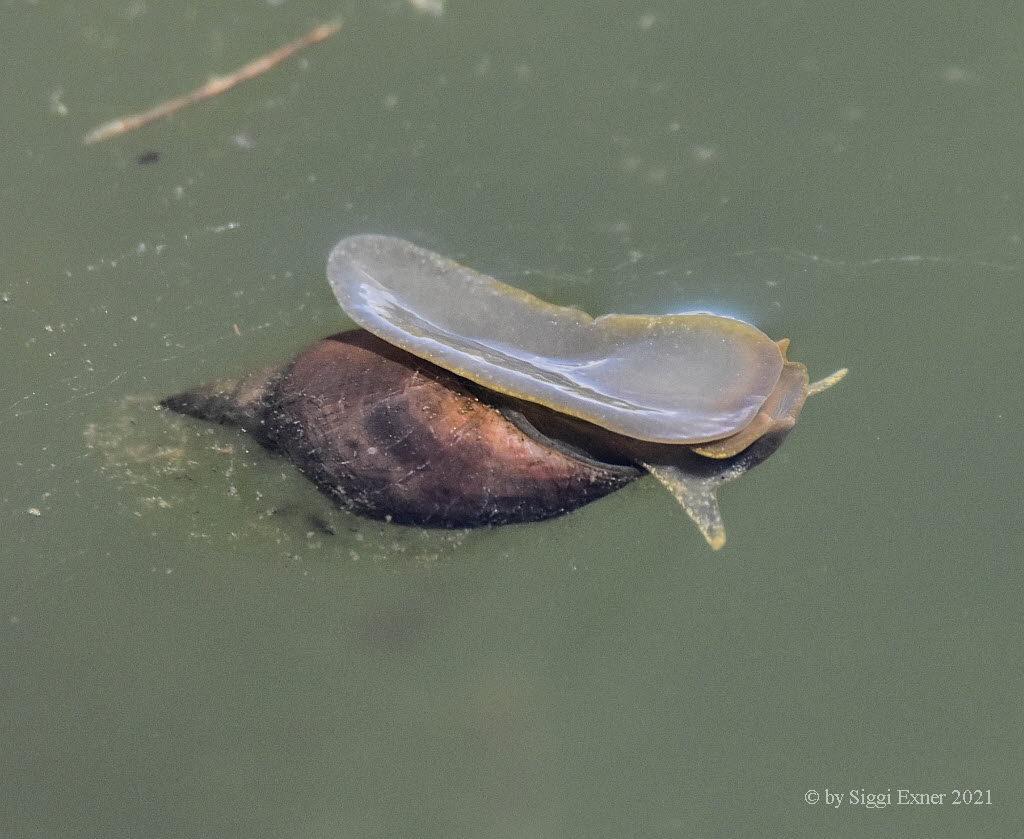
<point x="390" y="436"/>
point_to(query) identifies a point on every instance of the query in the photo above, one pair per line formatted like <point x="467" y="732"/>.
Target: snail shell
<point x="390" y="436"/>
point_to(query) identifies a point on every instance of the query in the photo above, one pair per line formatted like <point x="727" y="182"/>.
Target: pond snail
<point x="463" y="401"/>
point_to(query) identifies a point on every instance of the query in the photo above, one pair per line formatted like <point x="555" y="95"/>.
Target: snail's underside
<point x="391" y="436"/>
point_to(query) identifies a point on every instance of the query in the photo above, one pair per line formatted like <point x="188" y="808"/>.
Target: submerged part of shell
<point x="674" y="379"/>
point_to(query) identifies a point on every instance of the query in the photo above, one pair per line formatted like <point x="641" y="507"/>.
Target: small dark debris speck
<point x="148" y="157"/>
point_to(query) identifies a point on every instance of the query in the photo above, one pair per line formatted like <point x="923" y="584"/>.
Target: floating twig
<point x="215" y="86"/>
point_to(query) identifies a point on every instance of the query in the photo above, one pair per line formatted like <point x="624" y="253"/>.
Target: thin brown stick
<point x="215" y="86"/>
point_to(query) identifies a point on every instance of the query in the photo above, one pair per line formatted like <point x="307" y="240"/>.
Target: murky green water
<point x="193" y="643"/>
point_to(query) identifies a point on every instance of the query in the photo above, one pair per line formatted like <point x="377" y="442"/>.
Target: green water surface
<point x="194" y="644"/>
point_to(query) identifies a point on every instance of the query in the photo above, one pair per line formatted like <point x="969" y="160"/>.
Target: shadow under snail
<point x="462" y="401"/>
